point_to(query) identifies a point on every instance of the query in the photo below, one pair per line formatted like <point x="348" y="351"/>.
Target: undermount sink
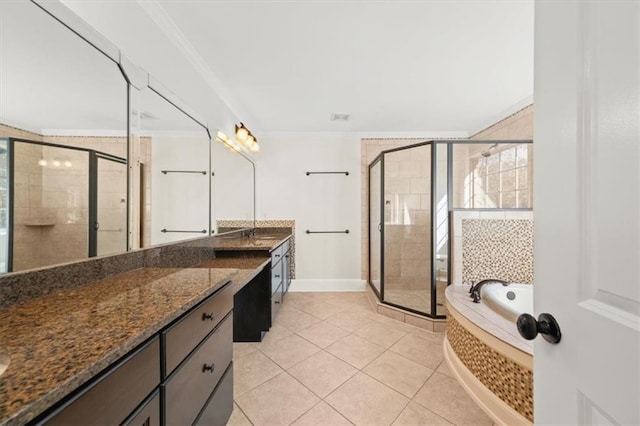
<point x="263" y="237"/>
<point x="4" y="362"/>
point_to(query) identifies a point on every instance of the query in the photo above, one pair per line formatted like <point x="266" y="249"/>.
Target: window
<point x="500" y="177"/>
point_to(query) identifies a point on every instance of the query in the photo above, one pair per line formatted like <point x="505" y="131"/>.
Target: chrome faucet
<point x="474" y="291"/>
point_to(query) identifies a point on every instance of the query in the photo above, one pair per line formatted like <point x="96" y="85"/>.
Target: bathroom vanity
<point x="146" y="339"/>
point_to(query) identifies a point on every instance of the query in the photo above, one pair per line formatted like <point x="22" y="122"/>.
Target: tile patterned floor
<point x="331" y="360"/>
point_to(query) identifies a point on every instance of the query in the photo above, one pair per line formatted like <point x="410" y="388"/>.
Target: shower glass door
<point x="111" y="205"/>
<point x="407" y="237"/>
<point x="375" y="224"/>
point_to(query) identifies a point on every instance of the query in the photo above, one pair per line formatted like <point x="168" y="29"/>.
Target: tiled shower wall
<point x="516" y="126"/>
<point x="492" y="244"/>
<point x="51" y="205"/>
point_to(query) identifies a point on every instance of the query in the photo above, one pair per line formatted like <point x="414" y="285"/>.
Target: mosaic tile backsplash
<point x="497" y="248"/>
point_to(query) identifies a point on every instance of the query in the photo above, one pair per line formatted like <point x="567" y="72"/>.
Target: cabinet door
<point x="187" y="390"/>
<point x="116" y="394"/>
<point x="148" y="414"/>
<point x="218" y="409"/>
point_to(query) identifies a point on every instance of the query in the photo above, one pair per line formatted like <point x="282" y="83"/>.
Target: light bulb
<point x="67" y="163"/>
<point x="242" y="134"/>
<point x="42" y="163"/>
<point x="56" y="163"/>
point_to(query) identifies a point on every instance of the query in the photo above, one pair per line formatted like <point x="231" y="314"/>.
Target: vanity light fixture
<point x="228" y="143"/>
<point x="244" y="136"/>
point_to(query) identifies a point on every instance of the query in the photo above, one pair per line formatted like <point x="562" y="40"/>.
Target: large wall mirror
<point x="175" y="172"/>
<point x="65" y="144"/>
<point x="63" y="147"/>
<point x="233" y="201"/>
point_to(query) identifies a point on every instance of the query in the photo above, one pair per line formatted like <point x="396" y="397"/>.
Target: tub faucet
<point x="475" y="289"/>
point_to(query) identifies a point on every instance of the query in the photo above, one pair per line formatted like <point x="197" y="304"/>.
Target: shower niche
<point x="413" y="191"/>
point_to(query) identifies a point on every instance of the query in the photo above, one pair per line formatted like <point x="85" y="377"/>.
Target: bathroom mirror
<point x="174" y="173"/>
<point x="233" y="201"/>
<point x="63" y="124"/>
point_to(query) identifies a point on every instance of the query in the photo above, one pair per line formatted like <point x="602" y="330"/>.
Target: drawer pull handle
<point x="277" y="276"/>
<point x="277" y="255"/>
<point x="277" y="302"/>
<point x="207" y="316"/>
<point x="208" y="367"/>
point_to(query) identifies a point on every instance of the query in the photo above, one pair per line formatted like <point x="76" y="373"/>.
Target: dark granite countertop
<point x="259" y="242"/>
<point x="58" y="342"/>
<point x="246" y="268"/>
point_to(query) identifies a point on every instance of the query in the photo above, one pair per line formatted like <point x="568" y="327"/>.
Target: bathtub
<point x="509" y="301"/>
<point x="485" y="352"/>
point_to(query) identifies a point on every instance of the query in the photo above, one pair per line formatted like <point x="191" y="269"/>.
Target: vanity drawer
<point x="148" y="414"/>
<point x="185" y="335"/>
<point x="276" y="256"/>
<point x="110" y="399"/>
<point x="188" y="389"/>
<point x="276" y="303"/>
<point x="276" y="277"/>
<point x="219" y="408"/>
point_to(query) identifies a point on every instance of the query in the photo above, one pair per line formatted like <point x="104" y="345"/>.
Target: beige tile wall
<point x="516" y="126"/>
<point x="51" y="216"/>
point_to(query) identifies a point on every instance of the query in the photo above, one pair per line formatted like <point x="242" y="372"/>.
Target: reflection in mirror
<point x="175" y="173"/>
<point x="233" y="188"/>
<point x="63" y="117"/>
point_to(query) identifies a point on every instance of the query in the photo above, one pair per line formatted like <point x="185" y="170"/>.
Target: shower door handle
<point x="379" y="227"/>
<point x="96" y="226"/>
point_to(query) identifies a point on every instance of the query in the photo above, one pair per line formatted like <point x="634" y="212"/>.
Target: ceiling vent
<point x="339" y="117"/>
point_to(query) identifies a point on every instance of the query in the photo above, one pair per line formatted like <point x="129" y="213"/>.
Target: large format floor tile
<point x="288" y="351"/>
<point x="355" y="350"/>
<point x="252" y="370"/>
<point x="445" y="397"/>
<point x="417" y="349"/>
<point x="330" y="360"/>
<point x="322" y="373"/>
<point x="322" y="415"/>
<point x="323" y="334"/>
<point x="364" y="401"/>
<point x="416" y="414"/>
<point x="380" y="334"/>
<point x="399" y="373"/>
<point x="278" y="401"/>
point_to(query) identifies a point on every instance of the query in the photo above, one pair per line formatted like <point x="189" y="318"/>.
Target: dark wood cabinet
<point x="111" y="397"/>
<point x="174" y="378"/>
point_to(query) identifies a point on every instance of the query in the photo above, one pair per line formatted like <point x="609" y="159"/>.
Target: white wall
<point x="316" y="202"/>
<point x="179" y="201"/>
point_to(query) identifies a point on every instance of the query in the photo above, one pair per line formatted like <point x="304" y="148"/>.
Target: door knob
<point x="546" y="325"/>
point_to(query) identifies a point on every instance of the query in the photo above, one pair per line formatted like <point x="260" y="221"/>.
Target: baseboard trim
<point x="302" y="285"/>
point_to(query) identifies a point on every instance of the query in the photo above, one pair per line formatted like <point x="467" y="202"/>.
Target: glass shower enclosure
<point x="413" y="191"/>
<point x="59" y="204"/>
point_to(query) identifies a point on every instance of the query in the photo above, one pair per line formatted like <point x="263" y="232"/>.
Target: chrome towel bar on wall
<point x="200" y="172"/>
<point x="327" y="232"/>
<point x="328" y="173"/>
<point x="165" y="230"/>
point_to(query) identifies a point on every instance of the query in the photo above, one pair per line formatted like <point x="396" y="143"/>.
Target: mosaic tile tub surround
<point x="497" y="248"/>
<point x="508" y="380"/>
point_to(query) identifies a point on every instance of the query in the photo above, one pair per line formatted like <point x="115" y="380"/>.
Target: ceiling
<point x="396" y="67"/>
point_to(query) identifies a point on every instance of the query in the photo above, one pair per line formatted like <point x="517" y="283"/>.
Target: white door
<point x="587" y="191"/>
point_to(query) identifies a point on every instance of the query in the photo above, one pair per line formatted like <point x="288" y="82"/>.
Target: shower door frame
<point x="92" y="184"/>
<point x="432" y="240"/>
<point x="447" y="145"/>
